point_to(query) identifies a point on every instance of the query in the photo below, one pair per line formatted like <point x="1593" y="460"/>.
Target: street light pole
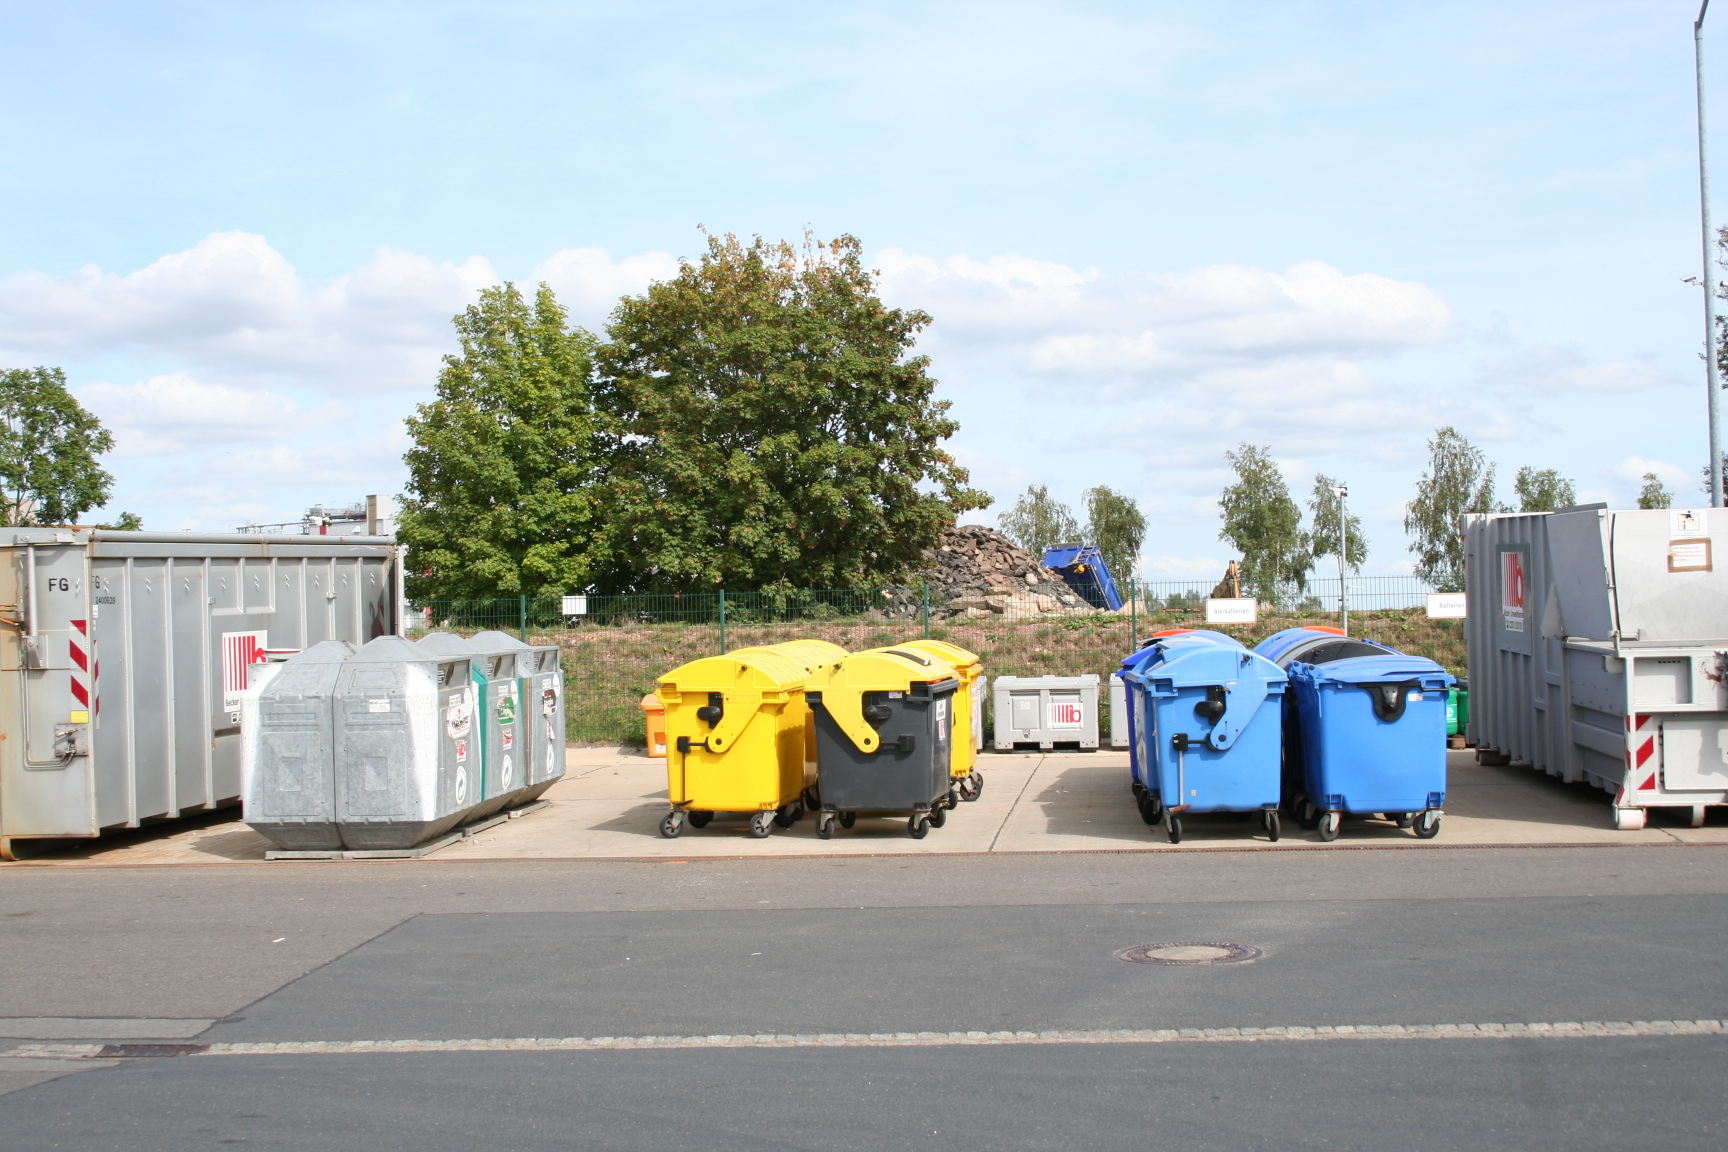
<point x="1709" y="262"/>
<point x="1343" y="545"/>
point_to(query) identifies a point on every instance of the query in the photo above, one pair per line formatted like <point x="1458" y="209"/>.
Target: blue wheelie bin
<point x="1313" y="644"/>
<point x="1206" y="729"/>
<point x="1372" y="738"/>
<point x="1145" y="790"/>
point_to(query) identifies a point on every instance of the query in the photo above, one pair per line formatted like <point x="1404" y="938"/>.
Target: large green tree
<point x="769" y="426"/>
<point x="1543" y="490"/>
<point x="1323" y="506"/>
<point x="1115" y="526"/>
<point x="48" y="450"/>
<point x="1038" y="521"/>
<point x="1459" y="479"/>
<point x="1265" y="525"/>
<point x="501" y="474"/>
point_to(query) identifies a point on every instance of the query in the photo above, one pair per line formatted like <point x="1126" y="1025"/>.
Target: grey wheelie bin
<point x="884" y="731"/>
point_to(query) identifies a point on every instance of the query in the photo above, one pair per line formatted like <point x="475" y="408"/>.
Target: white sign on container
<point x="575" y="605"/>
<point x="1446" y="606"/>
<point x="1232" y="611"/>
<point x="1686" y="524"/>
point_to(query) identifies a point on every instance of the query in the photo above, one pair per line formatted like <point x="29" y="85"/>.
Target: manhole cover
<point x="1192" y="952"/>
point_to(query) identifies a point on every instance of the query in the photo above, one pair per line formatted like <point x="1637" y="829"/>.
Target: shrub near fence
<point x="616" y="646"/>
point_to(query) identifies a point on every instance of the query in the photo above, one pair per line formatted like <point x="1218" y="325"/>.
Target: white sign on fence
<point x="575" y="605"/>
<point x="1232" y="611"/>
<point x="1446" y="606"/>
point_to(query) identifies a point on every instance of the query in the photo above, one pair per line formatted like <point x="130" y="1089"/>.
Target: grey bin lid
<point x="495" y="640"/>
<point x="446" y="644"/>
<point x="323" y="652"/>
<point x="391" y="650"/>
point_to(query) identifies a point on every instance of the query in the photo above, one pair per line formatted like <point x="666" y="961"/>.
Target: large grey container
<point x="1119" y="737"/>
<point x="1598" y="643"/>
<point x="402" y="717"/>
<point x="1045" y="711"/>
<point x="522" y="701"/>
<point x="288" y="748"/>
<point x="123" y="673"/>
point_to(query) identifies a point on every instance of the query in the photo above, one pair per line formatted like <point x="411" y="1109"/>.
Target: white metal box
<point x="1045" y="712"/>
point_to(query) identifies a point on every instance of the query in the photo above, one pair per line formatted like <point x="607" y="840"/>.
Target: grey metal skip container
<point x="123" y="672"/>
<point x="1598" y="644"/>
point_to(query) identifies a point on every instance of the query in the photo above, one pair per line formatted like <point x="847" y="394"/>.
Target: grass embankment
<point x="607" y="670"/>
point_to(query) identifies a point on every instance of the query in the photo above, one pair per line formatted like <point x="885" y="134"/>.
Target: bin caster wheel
<point x="1402" y="819"/>
<point x="977" y="779"/>
<point x="761" y="824"/>
<point x="1148" y="807"/>
<point x="672" y="824"/>
<point x="968" y="792"/>
<point x="812" y="801"/>
<point x="938" y="816"/>
<point x="1427" y="825"/>
<point x="1173" y="829"/>
<point x="1307" y="816"/>
<point x="847" y="819"/>
<point x="699" y="819"/>
<point x="787" y="816"/>
<point x="1329" y="824"/>
<point x="1274" y="827"/>
<point x="1137" y="788"/>
<point x="952" y="800"/>
<point x="919" y="826"/>
<point x="825" y="825"/>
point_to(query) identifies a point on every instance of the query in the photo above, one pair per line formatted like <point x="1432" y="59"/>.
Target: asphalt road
<point x="428" y="951"/>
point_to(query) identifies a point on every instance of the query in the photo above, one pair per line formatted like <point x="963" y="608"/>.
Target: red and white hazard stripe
<point x="75" y="645"/>
<point x="1641" y="749"/>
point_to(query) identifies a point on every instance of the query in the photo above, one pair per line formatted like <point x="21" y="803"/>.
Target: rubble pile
<point x="977" y="572"/>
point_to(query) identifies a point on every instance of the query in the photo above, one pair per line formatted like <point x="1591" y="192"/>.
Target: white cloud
<point x="1183" y="567"/>
<point x="174" y="413"/>
<point x="234" y="309"/>
<point x="589" y="284"/>
<point x="1064" y="321"/>
<point x="1550" y="370"/>
<point x="232" y="306"/>
<point x="1633" y="468"/>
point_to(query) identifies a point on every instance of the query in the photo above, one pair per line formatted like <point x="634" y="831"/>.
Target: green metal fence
<point x="614" y="647"/>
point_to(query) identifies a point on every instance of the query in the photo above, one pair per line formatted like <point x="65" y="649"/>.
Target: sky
<point x="1146" y="233"/>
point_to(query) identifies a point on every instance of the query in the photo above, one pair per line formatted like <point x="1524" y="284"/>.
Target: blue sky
<point x="1146" y="232"/>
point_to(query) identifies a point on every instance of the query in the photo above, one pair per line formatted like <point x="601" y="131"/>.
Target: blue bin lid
<point x="1390" y="669"/>
<point x="1316" y="646"/>
<point x="1211" y="660"/>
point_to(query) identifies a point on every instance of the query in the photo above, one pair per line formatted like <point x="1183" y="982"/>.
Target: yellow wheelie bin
<point x="968" y="711"/>
<point x="809" y="655"/>
<point x="884" y="729"/>
<point x="735" y="740"/>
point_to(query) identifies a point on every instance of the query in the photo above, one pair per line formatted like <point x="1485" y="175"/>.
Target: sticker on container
<point x="461" y="787"/>
<point x="1686" y="524"/>
<point x="1689" y="556"/>
<point x="548" y="701"/>
<point x="378" y="705"/>
<point x="457" y="717"/>
<point x="240" y="650"/>
<point x="1512" y="590"/>
<point x="509" y="739"/>
<point x="1414" y="697"/>
<point x="506" y="774"/>
<point x="461" y="751"/>
<point x="507" y="710"/>
<point x="896" y="695"/>
<point x="1065" y="714"/>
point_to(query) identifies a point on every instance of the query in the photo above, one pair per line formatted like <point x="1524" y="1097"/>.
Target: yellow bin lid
<point x="746" y="670"/>
<point x="952" y="653"/>
<point x="878" y="670"/>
